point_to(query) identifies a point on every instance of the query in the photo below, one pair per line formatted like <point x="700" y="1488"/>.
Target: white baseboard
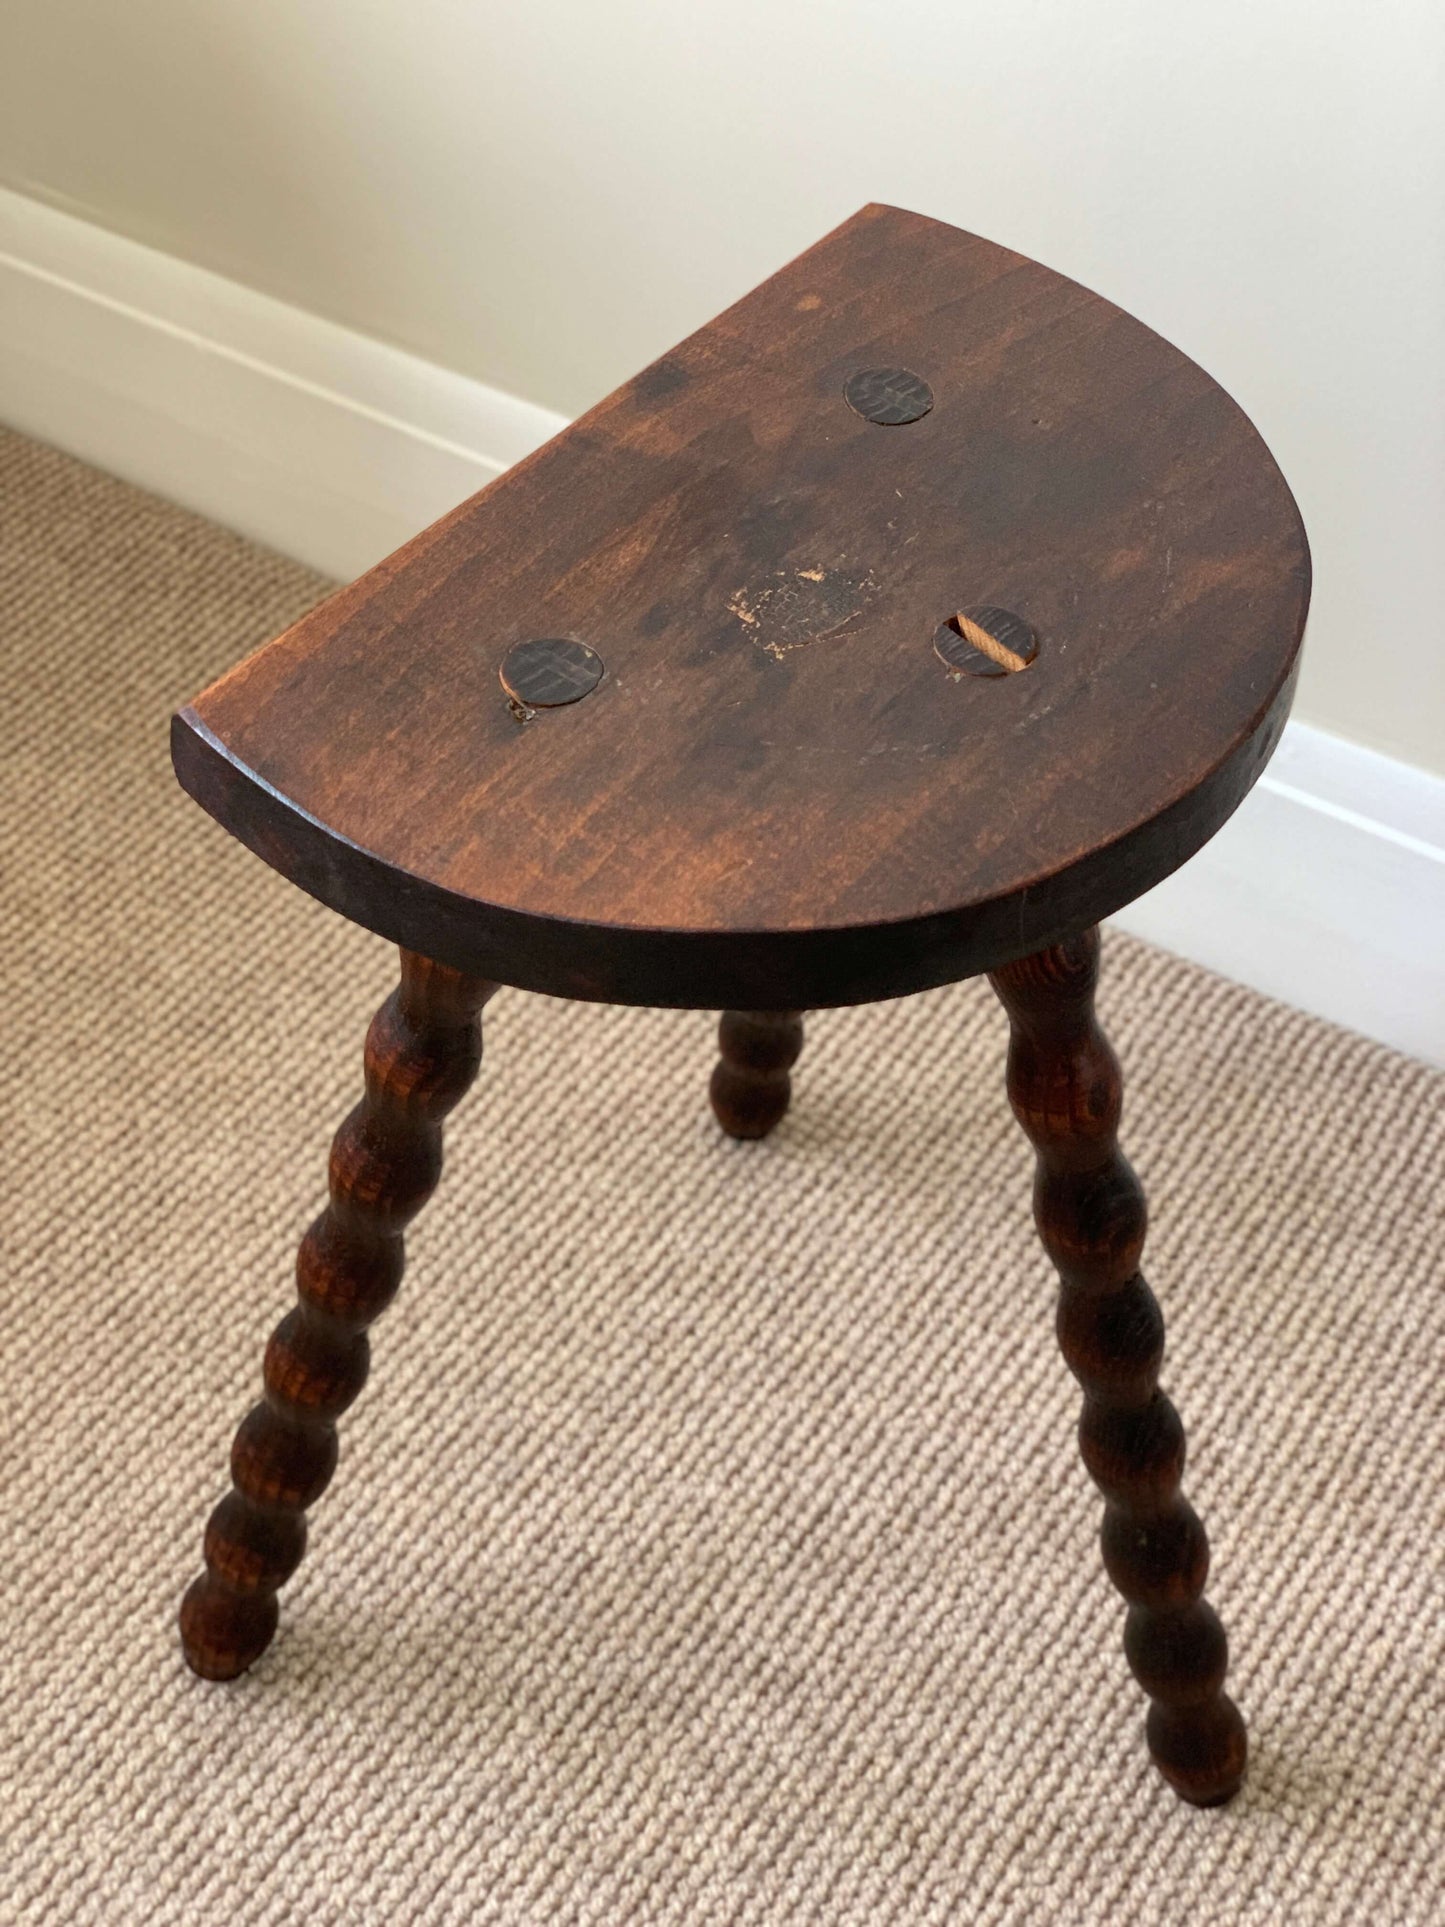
<point x="322" y="443"/>
<point x="1326" y="890"/>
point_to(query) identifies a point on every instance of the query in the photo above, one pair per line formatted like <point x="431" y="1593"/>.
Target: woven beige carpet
<point x="710" y="1544"/>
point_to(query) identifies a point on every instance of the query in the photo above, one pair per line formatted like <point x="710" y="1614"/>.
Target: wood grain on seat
<point x="779" y="794"/>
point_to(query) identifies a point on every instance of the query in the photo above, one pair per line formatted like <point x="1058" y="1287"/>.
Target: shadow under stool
<point x="915" y="614"/>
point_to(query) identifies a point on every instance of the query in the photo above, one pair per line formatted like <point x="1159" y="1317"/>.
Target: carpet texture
<point x="711" y="1544"/>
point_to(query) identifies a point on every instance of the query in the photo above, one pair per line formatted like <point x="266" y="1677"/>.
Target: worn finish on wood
<point x="778" y="796"/>
<point x="751" y="1084"/>
<point x="1066" y="1091"/>
<point x="422" y="1051"/>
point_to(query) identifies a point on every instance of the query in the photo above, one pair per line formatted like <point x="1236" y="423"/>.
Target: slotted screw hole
<point x="985" y="642"/>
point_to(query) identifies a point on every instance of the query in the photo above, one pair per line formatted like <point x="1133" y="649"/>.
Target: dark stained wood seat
<point x="779" y="795"/>
<point x="912" y="616"/>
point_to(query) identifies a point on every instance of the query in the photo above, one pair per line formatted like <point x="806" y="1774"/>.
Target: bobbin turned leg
<point x="422" y="1051"/>
<point x="751" y="1086"/>
<point x="1065" y="1087"/>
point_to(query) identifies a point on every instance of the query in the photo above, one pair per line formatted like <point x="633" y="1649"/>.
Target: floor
<point x="710" y="1544"/>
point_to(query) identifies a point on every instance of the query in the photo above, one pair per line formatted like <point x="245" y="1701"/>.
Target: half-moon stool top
<point x="780" y="793"/>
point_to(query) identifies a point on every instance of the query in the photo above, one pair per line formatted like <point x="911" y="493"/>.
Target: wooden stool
<point x="917" y="613"/>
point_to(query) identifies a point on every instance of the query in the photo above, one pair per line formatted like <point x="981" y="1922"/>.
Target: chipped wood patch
<point x="793" y="607"/>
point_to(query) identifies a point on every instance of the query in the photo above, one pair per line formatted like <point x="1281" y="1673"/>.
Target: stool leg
<point x="750" y="1086"/>
<point x="1065" y="1087"/>
<point x="422" y="1051"/>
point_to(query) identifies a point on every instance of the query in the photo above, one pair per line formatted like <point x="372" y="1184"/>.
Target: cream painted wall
<point x="546" y="193"/>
